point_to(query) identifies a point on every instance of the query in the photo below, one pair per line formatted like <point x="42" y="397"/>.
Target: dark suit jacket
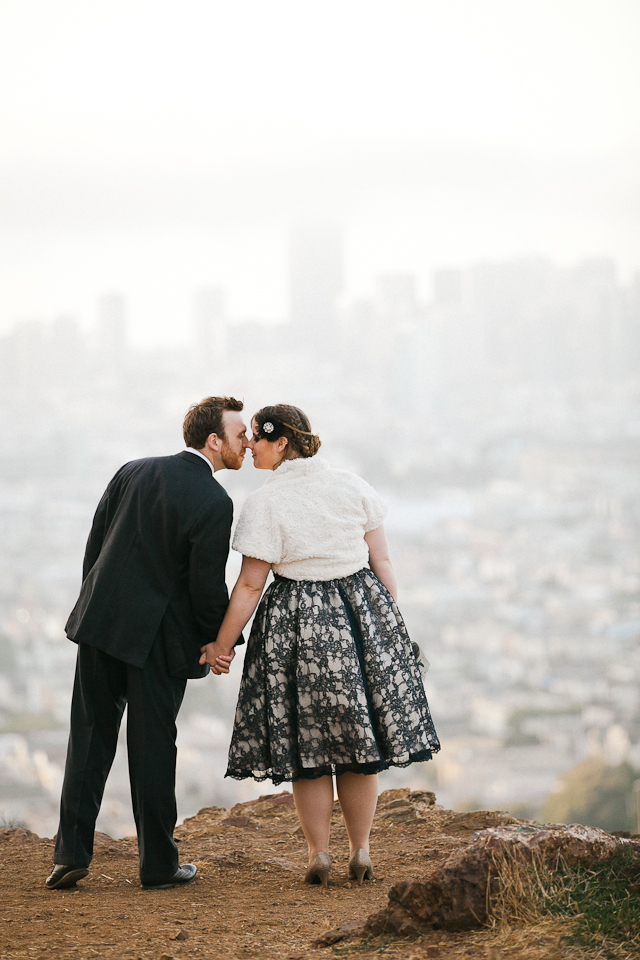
<point x="155" y="563"/>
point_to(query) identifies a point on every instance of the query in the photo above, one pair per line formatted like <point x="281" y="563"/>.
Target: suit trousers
<point x="103" y="687"/>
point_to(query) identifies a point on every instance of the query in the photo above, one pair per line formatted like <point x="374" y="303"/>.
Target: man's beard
<point x="231" y="460"/>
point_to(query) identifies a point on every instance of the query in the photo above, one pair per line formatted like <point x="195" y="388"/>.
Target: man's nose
<point x="247" y="443"/>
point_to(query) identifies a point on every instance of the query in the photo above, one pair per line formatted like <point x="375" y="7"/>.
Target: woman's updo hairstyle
<point x="283" y="420"/>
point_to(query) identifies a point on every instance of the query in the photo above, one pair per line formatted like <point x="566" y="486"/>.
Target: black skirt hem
<point x="330" y="769"/>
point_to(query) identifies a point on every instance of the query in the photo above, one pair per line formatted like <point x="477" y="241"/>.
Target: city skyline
<point x="154" y="148"/>
<point x="308" y="303"/>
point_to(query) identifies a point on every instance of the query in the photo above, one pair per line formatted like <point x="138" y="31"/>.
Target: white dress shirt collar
<point x="206" y="459"/>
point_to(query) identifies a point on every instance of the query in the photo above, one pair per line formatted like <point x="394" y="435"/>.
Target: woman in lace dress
<point x="331" y="684"/>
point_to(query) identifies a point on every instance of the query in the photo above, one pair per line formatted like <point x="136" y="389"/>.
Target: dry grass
<point x="597" y="909"/>
<point x="525" y="889"/>
<point x="543" y="940"/>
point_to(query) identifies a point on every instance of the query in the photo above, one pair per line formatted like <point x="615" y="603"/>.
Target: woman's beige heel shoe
<point x="318" y="869"/>
<point x="360" y="866"/>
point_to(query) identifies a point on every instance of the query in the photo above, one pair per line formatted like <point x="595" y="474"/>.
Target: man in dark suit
<point x="153" y="594"/>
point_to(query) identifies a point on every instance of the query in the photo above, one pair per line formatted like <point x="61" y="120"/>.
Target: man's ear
<point x="214" y="442"/>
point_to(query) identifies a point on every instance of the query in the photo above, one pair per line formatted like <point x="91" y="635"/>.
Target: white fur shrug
<point x="309" y="521"/>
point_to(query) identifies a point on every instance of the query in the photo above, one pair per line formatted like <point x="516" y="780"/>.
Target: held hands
<point x="218" y="660"/>
<point x="244" y="600"/>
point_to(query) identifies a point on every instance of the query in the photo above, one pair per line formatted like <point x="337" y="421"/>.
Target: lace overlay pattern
<point x="330" y="684"/>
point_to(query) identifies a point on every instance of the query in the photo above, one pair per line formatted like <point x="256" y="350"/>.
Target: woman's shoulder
<point x="356" y="493"/>
<point x="301" y="477"/>
<point x="349" y="479"/>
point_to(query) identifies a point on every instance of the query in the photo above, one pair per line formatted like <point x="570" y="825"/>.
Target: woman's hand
<point x="218" y="659"/>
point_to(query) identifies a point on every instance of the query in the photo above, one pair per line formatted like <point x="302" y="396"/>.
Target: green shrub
<point x="596" y="795"/>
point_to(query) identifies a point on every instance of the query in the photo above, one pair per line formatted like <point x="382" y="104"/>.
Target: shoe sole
<point x="168" y="886"/>
<point x="69" y="879"/>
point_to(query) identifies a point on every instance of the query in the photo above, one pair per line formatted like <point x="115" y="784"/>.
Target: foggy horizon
<point x="183" y="331"/>
<point x="152" y="150"/>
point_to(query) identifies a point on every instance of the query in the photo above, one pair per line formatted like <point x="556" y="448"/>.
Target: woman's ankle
<point x="314" y="851"/>
<point x="360" y="846"/>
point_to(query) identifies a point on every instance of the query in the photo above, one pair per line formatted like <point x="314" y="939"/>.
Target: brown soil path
<point x="249" y="899"/>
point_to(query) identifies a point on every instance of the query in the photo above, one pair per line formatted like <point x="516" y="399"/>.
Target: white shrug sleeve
<point x="258" y="534"/>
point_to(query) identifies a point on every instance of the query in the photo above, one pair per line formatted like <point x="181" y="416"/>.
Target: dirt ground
<point x="249" y="898"/>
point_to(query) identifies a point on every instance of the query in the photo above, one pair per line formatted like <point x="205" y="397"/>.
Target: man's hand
<point x="218" y="660"/>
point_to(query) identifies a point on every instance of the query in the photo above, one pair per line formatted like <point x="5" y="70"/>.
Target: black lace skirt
<point x="330" y="684"/>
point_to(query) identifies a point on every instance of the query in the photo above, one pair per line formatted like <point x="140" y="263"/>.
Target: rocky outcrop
<point x="17" y="833"/>
<point x="457" y="896"/>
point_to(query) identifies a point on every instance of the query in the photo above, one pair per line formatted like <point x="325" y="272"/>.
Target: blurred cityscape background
<point x="499" y="417"/>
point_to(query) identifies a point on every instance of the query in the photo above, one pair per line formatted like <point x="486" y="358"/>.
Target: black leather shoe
<point x="65" y="876"/>
<point x="184" y="874"/>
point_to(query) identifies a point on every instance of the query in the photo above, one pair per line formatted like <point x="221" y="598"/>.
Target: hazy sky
<point x="153" y="146"/>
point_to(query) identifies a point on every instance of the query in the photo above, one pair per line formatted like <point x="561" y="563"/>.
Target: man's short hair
<point x="205" y="418"/>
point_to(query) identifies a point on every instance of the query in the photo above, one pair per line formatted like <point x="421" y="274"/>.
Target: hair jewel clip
<point x="267" y="427"/>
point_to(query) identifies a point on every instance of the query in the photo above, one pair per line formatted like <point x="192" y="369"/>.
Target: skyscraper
<point x="112" y="335"/>
<point x="396" y="347"/>
<point x="316" y="282"/>
<point x="211" y="323"/>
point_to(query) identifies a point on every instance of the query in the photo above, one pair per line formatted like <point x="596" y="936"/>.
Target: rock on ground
<point x="457" y="896"/>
